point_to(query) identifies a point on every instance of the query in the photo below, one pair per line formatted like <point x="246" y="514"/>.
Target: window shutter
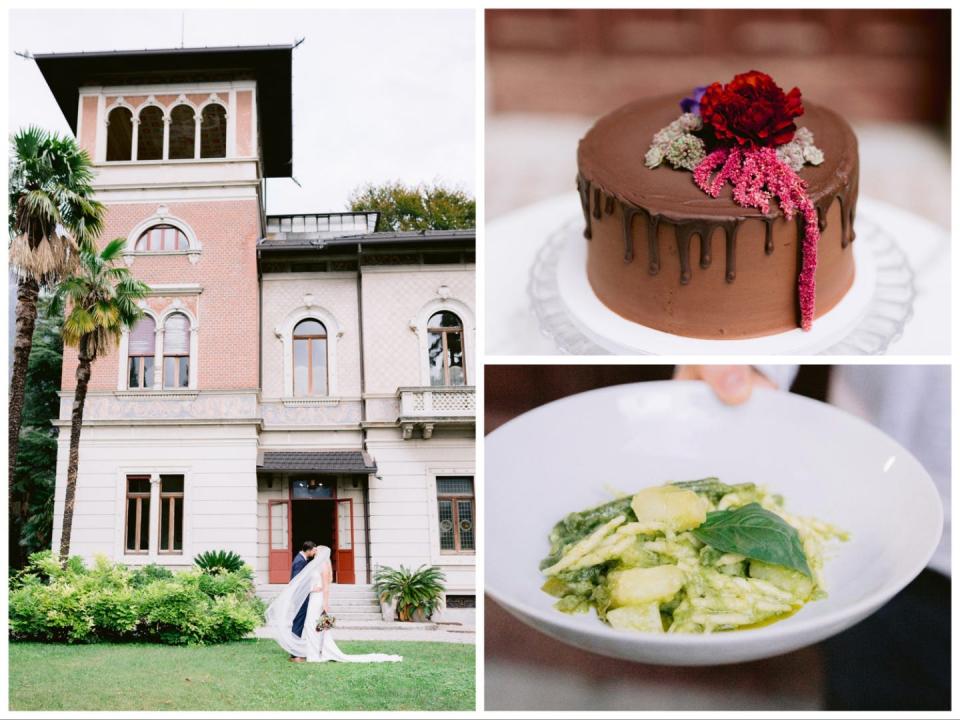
<point x="176" y="335"/>
<point x="142" y="337"/>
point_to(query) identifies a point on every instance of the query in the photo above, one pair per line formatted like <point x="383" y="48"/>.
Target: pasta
<point x="690" y="557"/>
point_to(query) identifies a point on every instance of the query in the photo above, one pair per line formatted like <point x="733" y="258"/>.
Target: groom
<point x="299" y="563"/>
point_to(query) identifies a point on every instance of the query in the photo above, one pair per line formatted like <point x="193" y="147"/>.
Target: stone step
<point x="384" y="625"/>
<point x="337" y="601"/>
<point x="354" y="616"/>
<point x="340" y="592"/>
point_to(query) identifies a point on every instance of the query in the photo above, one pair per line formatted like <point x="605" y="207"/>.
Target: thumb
<point x="732" y="383"/>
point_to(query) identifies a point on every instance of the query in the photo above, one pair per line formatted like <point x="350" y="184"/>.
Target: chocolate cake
<point x="664" y="253"/>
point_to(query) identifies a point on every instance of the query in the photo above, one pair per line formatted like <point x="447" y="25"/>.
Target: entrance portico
<point x="317" y="496"/>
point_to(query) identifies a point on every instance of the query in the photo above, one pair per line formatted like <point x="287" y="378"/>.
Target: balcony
<point x="425" y="408"/>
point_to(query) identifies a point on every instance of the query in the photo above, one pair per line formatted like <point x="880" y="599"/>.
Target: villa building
<point x="293" y="377"/>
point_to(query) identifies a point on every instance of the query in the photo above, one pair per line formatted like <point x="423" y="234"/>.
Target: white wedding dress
<point x="313" y="645"/>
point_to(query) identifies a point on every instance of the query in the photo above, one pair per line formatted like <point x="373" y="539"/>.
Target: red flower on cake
<point x="751" y="109"/>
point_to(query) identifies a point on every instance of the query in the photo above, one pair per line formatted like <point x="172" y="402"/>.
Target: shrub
<point x="150" y="573"/>
<point x="230" y="618"/>
<point x="217" y="561"/>
<point x="111" y="602"/>
<point x="115" y="613"/>
<point x="173" y="612"/>
<point x="421" y="589"/>
<point x="224" y="584"/>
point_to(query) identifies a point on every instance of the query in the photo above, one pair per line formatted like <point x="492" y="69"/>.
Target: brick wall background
<point x="227" y="270"/>
<point x="866" y="64"/>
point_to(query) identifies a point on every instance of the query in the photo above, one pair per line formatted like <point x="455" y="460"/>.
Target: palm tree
<point x="52" y="217"/>
<point x="101" y="302"/>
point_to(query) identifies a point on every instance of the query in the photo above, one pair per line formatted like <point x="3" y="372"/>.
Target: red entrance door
<point x="346" y="572"/>
<point x="278" y="531"/>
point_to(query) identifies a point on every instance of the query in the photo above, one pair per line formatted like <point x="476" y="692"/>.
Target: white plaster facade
<point x="403" y="516"/>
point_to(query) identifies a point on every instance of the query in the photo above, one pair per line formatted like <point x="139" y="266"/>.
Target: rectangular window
<point x="176" y="371"/>
<point x="301" y="358"/>
<point x="455" y="511"/>
<point x="138" y="514"/>
<point x="171" y="514"/>
<point x="141" y="372"/>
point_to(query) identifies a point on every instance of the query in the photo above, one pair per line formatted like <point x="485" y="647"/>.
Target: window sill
<point x="129" y="256"/>
<point x="310" y="401"/>
<point x="177" y="161"/>
<point x="167" y="394"/>
<point x="138" y="253"/>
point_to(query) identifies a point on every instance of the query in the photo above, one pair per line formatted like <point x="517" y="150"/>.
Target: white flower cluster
<point x="800" y="150"/>
<point x="676" y="144"/>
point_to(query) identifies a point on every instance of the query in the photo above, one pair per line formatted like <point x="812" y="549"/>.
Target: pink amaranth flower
<point x="757" y="176"/>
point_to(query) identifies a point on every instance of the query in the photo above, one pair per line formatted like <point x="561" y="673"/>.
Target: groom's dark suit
<point x="299" y="563"/>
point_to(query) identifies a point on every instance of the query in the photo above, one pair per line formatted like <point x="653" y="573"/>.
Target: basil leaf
<point x="755" y="533"/>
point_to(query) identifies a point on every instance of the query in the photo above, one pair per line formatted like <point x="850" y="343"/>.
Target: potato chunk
<point x="669" y="508"/>
<point x="639" y="586"/>
<point x="643" y="618"/>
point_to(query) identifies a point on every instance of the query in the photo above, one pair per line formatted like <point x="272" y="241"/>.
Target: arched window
<point x="309" y="358"/>
<point x="150" y="134"/>
<point x="119" y="134"/>
<point x="445" y="349"/>
<point x="213" y="131"/>
<point x="141" y="354"/>
<point x="176" y="351"/>
<point x="162" y="237"/>
<point x="183" y="130"/>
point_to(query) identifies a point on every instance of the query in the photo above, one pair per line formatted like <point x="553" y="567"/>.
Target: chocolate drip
<point x="768" y="236"/>
<point x="653" y="244"/>
<point x="628" y="213"/>
<point x="847" y="198"/>
<point x="684" y="233"/>
<point x="583" y="186"/>
<point x="821" y="209"/>
<point x="704" y="229"/>
<point x="731" y="230"/>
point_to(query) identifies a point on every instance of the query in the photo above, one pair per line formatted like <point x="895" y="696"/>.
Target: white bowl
<point x="570" y="454"/>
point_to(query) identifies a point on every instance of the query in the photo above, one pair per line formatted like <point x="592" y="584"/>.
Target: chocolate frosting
<point x="614" y="180"/>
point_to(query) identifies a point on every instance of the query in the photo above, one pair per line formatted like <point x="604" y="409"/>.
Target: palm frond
<point x="113" y="250"/>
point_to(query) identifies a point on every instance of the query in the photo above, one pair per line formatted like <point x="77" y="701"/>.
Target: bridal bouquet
<point x="325" y="622"/>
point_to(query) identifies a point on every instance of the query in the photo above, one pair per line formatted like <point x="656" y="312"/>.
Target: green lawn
<point x="247" y="675"/>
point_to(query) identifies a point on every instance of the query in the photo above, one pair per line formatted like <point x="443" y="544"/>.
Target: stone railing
<point x="428" y="406"/>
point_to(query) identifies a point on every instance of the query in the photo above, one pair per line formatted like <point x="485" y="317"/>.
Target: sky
<point x="378" y="95"/>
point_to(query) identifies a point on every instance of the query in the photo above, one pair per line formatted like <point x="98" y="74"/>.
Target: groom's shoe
<point x="294" y="658"/>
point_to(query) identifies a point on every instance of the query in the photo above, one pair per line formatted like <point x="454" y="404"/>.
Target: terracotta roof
<point x="327" y="461"/>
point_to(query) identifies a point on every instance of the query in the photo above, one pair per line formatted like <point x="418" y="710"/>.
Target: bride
<point x="313" y="581"/>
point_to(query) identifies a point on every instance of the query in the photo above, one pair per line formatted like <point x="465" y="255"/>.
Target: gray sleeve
<point x="780" y="375"/>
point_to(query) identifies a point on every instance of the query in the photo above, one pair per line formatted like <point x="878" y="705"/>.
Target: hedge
<point x="110" y="602"/>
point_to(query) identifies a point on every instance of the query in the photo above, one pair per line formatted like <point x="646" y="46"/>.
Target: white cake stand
<point x="866" y="321"/>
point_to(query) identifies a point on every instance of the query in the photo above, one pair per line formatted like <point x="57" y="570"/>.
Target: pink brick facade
<point x="225" y="272"/>
<point x="244" y="122"/>
<point x="88" y="127"/>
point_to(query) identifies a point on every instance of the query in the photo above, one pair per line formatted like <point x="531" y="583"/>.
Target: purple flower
<point x="692" y="104"/>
